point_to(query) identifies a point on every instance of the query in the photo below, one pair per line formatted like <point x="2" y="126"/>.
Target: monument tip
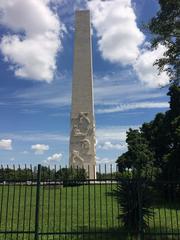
<point x="82" y="11"/>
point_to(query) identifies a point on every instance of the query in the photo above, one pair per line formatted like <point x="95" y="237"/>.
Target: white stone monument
<point x="82" y="138"/>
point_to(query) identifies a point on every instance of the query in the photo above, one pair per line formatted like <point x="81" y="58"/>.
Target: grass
<point x="87" y="208"/>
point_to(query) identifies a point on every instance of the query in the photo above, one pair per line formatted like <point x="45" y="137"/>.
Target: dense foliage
<point x="134" y="197"/>
<point x="138" y="157"/>
<point x="153" y="154"/>
<point x="165" y="27"/>
<point x="30" y="174"/>
<point x="156" y="145"/>
<point x="154" y="150"/>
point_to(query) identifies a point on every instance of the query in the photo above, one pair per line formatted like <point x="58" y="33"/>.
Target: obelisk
<point x="82" y="138"/>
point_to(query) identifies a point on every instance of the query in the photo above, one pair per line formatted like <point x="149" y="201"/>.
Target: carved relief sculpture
<point x="76" y="159"/>
<point x="85" y="145"/>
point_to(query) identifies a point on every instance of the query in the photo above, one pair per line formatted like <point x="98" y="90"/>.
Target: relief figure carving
<point x="84" y="122"/>
<point x="76" y="131"/>
<point x="81" y="125"/>
<point x="76" y="158"/>
<point x="85" y="145"/>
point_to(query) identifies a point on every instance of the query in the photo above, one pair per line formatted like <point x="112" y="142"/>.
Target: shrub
<point x="134" y="196"/>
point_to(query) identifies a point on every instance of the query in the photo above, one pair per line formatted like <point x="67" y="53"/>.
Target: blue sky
<point x="36" y="59"/>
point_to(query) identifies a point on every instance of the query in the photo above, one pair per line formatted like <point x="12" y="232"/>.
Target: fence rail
<point x="61" y="203"/>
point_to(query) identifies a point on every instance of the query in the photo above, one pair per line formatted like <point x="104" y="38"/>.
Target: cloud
<point x="40" y="148"/>
<point x="45" y="95"/>
<point x="121" y="41"/>
<point x="119" y="37"/>
<point x="32" y="49"/>
<point x="110" y="89"/>
<point x="6" y="144"/>
<point x="146" y="71"/>
<point x="25" y="152"/>
<point x="104" y="161"/>
<point x="113" y="133"/>
<point x="28" y="136"/>
<point x="118" y="88"/>
<point x="109" y="145"/>
<point x="132" y="106"/>
<point x="112" y="138"/>
<point x="54" y="158"/>
<point x="110" y="134"/>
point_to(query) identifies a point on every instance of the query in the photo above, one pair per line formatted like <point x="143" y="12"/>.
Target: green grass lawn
<point x="72" y="209"/>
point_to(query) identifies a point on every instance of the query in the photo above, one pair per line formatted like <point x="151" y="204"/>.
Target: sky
<point x="36" y="61"/>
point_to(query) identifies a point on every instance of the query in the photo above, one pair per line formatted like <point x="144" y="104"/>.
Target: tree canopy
<point x="165" y="29"/>
<point x="156" y="145"/>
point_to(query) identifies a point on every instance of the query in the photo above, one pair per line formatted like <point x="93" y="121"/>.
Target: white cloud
<point x="109" y="145"/>
<point x="113" y="133"/>
<point x="112" y="138"/>
<point x="107" y="134"/>
<point x="46" y="94"/>
<point x="120" y="40"/>
<point x="119" y="36"/>
<point x="132" y="106"/>
<point x="25" y="152"/>
<point x="116" y="91"/>
<point x="6" y="144"/>
<point x="39" y="148"/>
<point x="146" y="71"/>
<point x="32" y="51"/>
<point x="55" y="157"/>
<point x="36" y="136"/>
<point x="104" y="161"/>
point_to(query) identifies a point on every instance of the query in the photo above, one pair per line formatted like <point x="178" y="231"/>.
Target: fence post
<point x="140" y="237"/>
<point x="38" y="185"/>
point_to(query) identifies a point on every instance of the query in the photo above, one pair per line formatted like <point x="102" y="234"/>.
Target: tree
<point x="157" y="134"/>
<point x="46" y="174"/>
<point x="157" y="143"/>
<point x="174" y="93"/>
<point x="172" y="167"/>
<point x="139" y="156"/>
<point x="165" y="27"/>
<point x="156" y="146"/>
<point x="135" y="198"/>
<point x="71" y="176"/>
<point x="133" y="193"/>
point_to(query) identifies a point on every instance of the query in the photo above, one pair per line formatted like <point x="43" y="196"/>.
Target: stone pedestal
<point x="82" y="137"/>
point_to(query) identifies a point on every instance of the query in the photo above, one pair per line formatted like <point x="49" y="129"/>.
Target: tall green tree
<point x="165" y="27"/>
<point x="156" y="146"/>
<point x="172" y="158"/>
<point x="139" y="156"/>
<point x="133" y="194"/>
<point x="174" y="93"/>
<point x="157" y="134"/>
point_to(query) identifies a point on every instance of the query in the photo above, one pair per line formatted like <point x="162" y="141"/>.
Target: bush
<point x="71" y="176"/>
<point x="134" y="196"/>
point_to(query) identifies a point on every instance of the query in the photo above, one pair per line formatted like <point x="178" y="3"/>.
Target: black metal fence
<point x="61" y="203"/>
